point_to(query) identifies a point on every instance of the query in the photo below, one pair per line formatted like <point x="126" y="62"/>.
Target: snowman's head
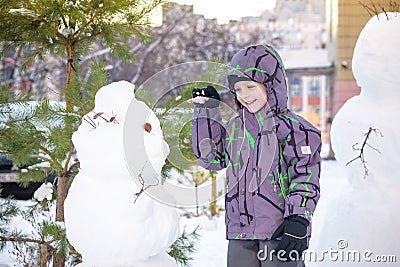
<point x="114" y="99"/>
<point x="376" y="59"/>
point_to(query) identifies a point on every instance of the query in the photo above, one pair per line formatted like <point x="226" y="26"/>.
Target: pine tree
<point x="68" y="28"/>
<point x="65" y="29"/>
<point x="172" y="113"/>
<point x="35" y="138"/>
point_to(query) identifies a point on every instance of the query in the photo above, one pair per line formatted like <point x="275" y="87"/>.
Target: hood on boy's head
<point x="261" y="63"/>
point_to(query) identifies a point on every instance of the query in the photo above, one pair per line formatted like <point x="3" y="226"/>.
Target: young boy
<point x="272" y="161"/>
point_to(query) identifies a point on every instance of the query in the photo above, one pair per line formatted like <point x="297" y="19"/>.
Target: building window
<point x="314" y="87"/>
<point x="295" y="87"/>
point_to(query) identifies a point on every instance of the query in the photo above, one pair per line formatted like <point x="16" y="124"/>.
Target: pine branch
<point x="181" y="249"/>
<point x="41" y="157"/>
<point x="71" y="150"/>
<point x="7" y="210"/>
<point x="31" y="6"/>
<point x="51" y="155"/>
<point x="83" y="39"/>
<point x="10" y="122"/>
<point x="40" y="28"/>
<point x="25" y="240"/>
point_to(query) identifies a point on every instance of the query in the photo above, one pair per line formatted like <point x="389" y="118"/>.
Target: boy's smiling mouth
<point x="250" y="102"/>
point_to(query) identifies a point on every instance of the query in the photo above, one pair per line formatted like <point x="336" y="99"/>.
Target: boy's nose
<point x="246" y="96"/>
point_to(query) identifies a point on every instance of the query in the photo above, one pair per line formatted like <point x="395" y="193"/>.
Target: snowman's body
<point x="107" y="221"/>
<point x="364" y="213"/>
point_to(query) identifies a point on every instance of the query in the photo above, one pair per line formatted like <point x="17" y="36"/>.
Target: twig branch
<point x="364" y="144"/>
<point x="142" y="182"/>
<point x="90" y="121"/>
<point x="368" y="9"/>
<point x="153" y="46"/>
<point x="373" y="10"/>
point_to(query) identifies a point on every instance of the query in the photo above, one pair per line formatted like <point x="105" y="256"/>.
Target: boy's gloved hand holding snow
<point x="294" y="237"/>
<point x="207" y="97"/>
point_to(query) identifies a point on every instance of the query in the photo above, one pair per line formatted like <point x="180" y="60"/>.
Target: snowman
<point x="361" y="221"/>
<point x="109" y="218"/>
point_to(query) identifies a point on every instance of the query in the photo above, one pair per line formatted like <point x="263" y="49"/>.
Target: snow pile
<point x="45" y="191"/>
<point x="107" y="219"/>
<point x="363" y="216"/>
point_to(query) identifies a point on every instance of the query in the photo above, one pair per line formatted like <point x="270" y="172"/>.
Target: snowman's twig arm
<point x="365" y="143"/>
<point x="374" y="148"/>
<point x="142" y="184"/>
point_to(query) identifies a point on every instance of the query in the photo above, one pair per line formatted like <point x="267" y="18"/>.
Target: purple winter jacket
<point x="272" y="157"/>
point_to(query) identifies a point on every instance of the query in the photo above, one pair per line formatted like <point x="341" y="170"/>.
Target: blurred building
<point x="293" y="24"/>
<point x="309" y="76"/>
<point x="298" y="29"/>
<point x="345" y="19"/>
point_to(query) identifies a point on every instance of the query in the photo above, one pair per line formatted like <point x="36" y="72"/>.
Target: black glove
<point x="209" y="92"/>
<point x="293" y="230"/>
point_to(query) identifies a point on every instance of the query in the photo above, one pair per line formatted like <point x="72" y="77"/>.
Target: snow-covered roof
<point x="308" y="58"/>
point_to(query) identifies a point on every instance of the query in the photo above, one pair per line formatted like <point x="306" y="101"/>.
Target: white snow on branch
<point x="45" y="191"/>
<point x="3" y="126"/>
<point x="23" y="12"/>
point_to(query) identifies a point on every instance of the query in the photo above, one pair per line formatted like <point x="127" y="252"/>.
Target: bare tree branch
<point x="151" y="47"/>
<point x="95" y="54"/>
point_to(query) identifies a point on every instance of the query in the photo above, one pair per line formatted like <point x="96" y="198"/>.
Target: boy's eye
<point x="237" y="89"/>
<point x="251" y="86"/>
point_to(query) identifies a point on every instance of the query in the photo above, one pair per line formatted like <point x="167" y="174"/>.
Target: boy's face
<point x="252" y="95"/>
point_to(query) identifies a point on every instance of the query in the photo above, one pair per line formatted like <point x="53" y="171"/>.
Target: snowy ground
<point x="212" y="246"/>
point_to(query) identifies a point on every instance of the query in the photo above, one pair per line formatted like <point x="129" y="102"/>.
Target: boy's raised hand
<point x="208" y="97"/>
